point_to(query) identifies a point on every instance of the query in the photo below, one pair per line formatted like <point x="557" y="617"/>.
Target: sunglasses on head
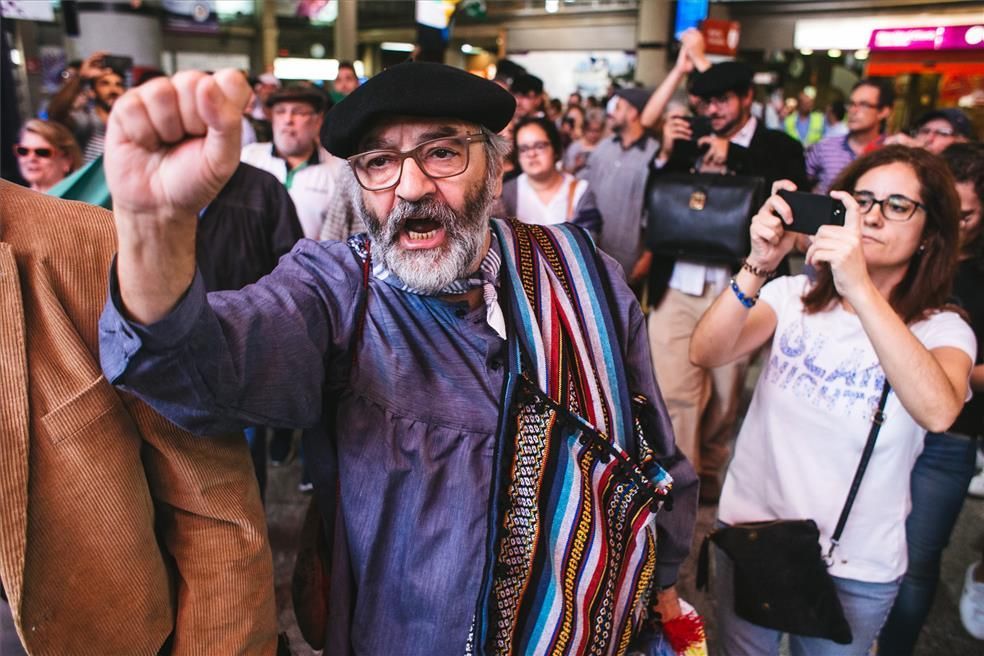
<point x="24" y="151"/>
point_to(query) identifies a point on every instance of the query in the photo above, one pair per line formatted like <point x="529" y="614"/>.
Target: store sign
<point x="720" y="36"/>
<point x="949" y="37"/>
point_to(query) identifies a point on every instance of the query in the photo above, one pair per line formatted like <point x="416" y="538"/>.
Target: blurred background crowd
<point x="610" y="93"/>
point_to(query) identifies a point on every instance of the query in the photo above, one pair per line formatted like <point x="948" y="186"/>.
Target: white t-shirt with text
<point x="807" y="424"/>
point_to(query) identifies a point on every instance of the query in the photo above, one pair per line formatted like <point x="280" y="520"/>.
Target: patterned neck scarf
<point x="486" y="277"/>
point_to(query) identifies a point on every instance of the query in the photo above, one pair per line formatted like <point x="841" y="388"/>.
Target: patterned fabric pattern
<point x="575" y="552"/>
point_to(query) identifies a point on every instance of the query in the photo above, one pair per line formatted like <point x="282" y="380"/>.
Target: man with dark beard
<point x="103" y="85"/>
<point x="491" y="448"/>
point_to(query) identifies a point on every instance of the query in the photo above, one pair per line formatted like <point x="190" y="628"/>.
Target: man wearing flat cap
<point x="295" y="157"/>
<point x="490" y="452"/>
<point x="703" y="403"/>
<point x="617" y="172"/>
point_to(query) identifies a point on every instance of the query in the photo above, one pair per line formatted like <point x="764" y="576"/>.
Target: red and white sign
<point x="720" y="36"/>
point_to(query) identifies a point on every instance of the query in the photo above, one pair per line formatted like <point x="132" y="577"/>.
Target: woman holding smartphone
<point x="876" y="311"/>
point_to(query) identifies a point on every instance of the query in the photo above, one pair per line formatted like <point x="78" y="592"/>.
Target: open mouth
<point x="421" y="233"/>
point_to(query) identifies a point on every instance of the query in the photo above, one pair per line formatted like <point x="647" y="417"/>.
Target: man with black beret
<point x="487" y="483"/>
<point x="703" y="403"/>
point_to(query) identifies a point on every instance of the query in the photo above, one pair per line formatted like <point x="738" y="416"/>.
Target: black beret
<point x="721" y="78"/>
<point x="298" y="93"/>
<point x="423" y="89"/>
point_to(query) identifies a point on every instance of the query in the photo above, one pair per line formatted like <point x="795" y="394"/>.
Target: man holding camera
<point x="703" y="403"/>
<point x="103" y="84"/>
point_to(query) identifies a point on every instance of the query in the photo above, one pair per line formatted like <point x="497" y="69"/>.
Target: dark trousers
<point x="939" y="486"/>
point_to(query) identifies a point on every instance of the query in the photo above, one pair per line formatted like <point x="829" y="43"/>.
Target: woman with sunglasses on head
<point x="877" y="312"/>
<point x="46" y="153"/>
<point x="543" y="194"/>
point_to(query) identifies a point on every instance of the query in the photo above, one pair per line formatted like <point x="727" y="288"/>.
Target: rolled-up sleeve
<point x="222" y="361"/>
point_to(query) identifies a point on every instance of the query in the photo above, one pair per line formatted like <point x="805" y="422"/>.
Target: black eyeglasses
<point x="535" y="147"/>
<point x="24" y="151"/>
<point x="895" y="207"/>
<point x="444" y="157"/>
<point x="860" y="104"/>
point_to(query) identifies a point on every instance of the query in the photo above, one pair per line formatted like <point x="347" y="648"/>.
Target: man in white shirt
<point x="296" y="158"/>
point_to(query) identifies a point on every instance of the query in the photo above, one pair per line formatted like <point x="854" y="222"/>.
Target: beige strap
<point x="570" y="198"/>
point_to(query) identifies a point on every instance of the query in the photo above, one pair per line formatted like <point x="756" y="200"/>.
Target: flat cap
<point x="722" y="78"/>
<point x="635" y="96"/>
<point x="421" y="89"/>
<point x="956" y="118"/>
<point x="298" y="93"/>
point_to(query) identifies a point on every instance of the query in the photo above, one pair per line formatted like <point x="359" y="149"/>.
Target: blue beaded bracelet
<point x="747" y="301"/>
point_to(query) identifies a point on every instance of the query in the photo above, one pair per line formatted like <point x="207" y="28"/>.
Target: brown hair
<point x="927" y="281"/>
<point x="58" y="136"/>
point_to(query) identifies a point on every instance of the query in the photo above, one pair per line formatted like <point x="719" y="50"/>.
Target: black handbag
<point x="780" y="574"/>
<point x="701" y="216"/>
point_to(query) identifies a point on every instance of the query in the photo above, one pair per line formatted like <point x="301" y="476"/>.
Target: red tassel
<point x="684" y="631"/>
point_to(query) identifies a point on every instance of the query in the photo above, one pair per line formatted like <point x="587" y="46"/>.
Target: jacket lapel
<point x="14" y="423"/>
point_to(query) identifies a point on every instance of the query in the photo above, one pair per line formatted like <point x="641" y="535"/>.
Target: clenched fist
<point x="172" y="143"/>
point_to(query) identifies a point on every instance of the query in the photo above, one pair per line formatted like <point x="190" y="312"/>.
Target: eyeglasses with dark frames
<point x="24" y="151"/>
<point x="535" y="147"/>
<point x="895" y="207"/>
<point x="860" y="104"/>
<point x="444" y="157"/>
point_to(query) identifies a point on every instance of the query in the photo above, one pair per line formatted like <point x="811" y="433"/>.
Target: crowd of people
<point x="447" y="287"/>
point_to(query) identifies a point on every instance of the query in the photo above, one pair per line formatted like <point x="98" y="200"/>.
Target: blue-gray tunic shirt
<point x="417" y="404"/>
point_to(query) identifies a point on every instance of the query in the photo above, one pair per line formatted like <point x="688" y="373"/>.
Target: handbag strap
<point x="571" y="190"/>
<point x="876" y="423"/>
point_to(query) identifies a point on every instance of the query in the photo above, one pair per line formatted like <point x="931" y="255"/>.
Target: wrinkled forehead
<point x="403" y="132"/>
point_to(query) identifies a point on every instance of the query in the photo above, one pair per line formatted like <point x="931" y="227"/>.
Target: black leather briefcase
<point x="702" y="216"/>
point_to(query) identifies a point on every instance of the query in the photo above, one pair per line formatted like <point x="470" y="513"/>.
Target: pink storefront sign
<point x="944" y="37"/>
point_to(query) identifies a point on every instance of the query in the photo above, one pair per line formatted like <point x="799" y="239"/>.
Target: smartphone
<point x="810" y="211"/>
<point x="118" y="63"/>
<point x="700" y="126"/>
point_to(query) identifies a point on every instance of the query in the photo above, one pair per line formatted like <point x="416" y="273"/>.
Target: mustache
<point x="425" y="208"/>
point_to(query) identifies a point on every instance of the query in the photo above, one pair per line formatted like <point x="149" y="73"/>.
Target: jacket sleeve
<point x="211" y="521"/>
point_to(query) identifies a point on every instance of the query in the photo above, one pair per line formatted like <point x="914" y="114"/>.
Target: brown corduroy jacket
<point x="117" y="529"/>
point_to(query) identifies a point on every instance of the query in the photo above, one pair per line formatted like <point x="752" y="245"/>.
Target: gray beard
<point x="431" y="270"/>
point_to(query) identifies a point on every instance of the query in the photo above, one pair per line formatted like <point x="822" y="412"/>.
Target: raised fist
<point x="173" y="143"/>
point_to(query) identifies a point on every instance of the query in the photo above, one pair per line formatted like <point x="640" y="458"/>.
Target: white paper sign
<point x="37" y="10"/>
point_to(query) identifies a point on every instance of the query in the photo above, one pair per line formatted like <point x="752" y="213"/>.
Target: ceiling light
<point x="397" y="46"/>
